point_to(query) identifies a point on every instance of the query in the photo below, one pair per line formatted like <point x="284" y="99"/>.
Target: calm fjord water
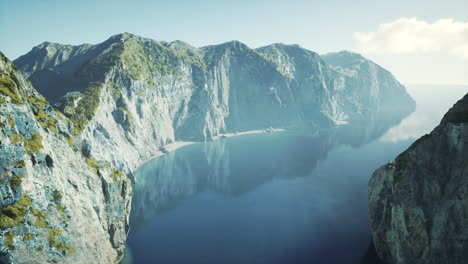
<point x="267" y="198"/>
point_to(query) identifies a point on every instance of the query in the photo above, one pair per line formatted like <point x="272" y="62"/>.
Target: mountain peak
<point x="285" y="50"/>
<point x="231" y="45"/>
<point x="118" y="38"/>
<point x="214" y="52"/>
<point x="46" y="48"/>
<point x="122" y="37"/>
<point x="234" y="43"/>
<point x="343" y="58"/>
<point x="281" y="46"/>
<point x="347" y="53"/>
<point x="285" y="56"/>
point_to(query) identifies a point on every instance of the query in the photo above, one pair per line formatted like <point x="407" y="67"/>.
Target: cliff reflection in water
<point x="237" y="165"/>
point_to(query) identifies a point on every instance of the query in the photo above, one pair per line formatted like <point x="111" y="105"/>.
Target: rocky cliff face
<point x="373" y="87"/>
<point x="418" y="204"/>
<point x="57" y="205"/>
<point x="129" y="96"/>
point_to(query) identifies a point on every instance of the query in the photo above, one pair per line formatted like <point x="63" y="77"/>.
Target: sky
<point x="430" y="108"/>
<point x="418" y="41"/>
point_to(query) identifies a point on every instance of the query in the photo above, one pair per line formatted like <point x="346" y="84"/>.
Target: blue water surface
<point x="281" y="198"/>
<point x="258" y="210"/>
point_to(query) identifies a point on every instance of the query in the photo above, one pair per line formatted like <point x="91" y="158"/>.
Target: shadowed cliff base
<point x="371" y="256"/>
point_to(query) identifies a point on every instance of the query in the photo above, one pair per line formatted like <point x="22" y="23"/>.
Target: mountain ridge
<point x="160" y="92"/>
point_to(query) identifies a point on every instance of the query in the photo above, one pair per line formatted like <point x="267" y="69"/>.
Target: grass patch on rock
<point x="15" y="138"/>
<point x="20" y="164"/>
<point x="15" y="181"/>
<point x="11" y="121"/>
<point x="9" y="240"/>
<point x="93" y="164"/>
<point x="57" y="195"/>
<point x="62" y="246"/>
<point x="34" y="144"/>
<point x="39" y="105"/>
<point x="9" y="88"/>
<point x="61" y="211"/>
<point x="28" y="236"/>
<point x="117" y="176"/>
<point x="14" y="214"/>
<point x="40" y="218"/>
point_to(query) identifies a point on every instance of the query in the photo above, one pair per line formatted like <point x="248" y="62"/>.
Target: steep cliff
<point x="129" y="93"/>
<point x="57" y="206"/>
<point x="418" y="204"/>
<point x="366" y="86"/>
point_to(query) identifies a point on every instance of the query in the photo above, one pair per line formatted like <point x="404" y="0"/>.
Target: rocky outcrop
<point x="57" y="205"/>
<point x="418" y="204"/>
<point x="129" y="93"/>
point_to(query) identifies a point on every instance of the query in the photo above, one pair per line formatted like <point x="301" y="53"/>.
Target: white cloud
<point x="411" y="35"/>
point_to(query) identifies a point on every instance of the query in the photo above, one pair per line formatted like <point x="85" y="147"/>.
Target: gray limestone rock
<point x="57" y="206"/>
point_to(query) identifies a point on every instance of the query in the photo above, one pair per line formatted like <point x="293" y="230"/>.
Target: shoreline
<point x="179" y="144"/>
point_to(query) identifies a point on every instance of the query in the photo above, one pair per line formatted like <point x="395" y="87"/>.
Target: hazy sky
<point x="420" y="41"/>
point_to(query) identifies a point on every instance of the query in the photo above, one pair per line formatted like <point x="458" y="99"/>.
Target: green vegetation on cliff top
<point x="140" y="57"/>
